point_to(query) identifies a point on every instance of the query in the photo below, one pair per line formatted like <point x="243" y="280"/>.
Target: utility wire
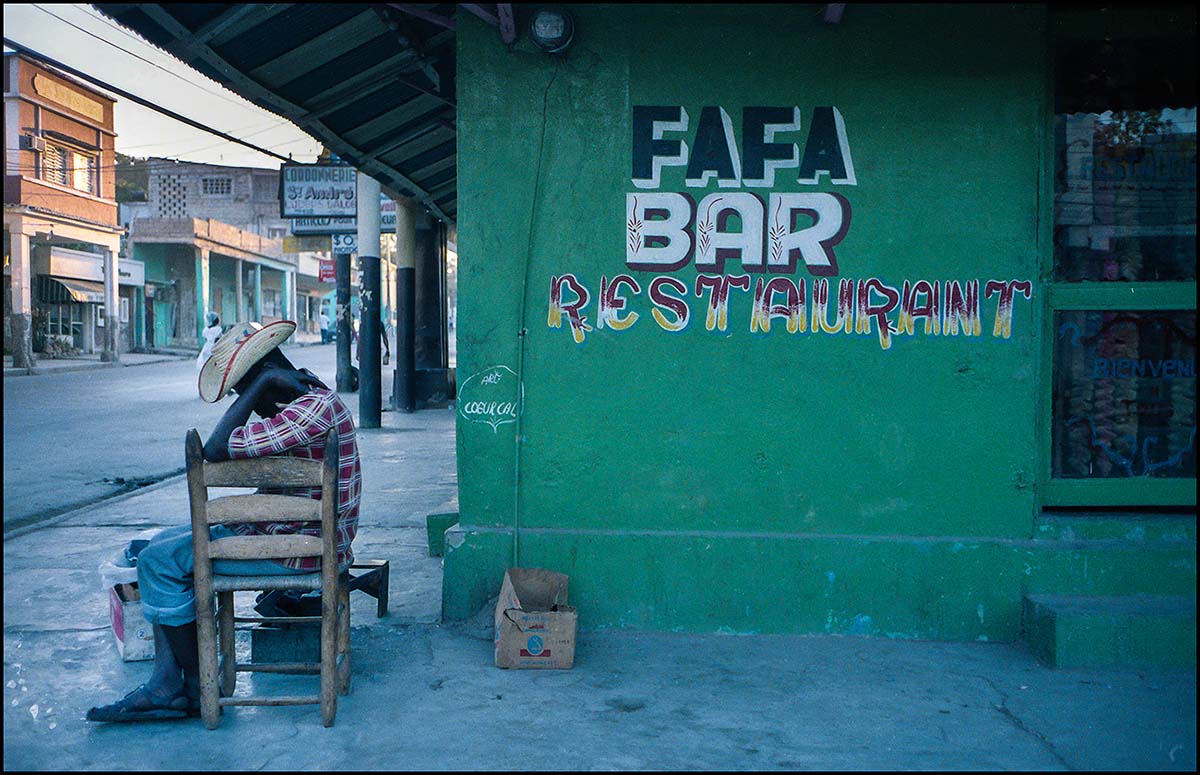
<point x="201" y="87"/>
<point x="139" y="100"/>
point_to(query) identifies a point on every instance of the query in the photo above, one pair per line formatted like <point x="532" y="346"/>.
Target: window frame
<point x="69" y="170"/>
<point x="206" y="179"/>
<point x="1095" y="295"/>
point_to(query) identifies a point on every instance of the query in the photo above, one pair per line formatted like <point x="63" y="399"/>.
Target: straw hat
<point x="235" y="352"/>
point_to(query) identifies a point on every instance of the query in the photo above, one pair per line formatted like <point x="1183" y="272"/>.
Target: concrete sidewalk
<point x="426" y="695"/>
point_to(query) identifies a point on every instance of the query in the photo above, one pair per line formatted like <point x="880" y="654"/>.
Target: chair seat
<point x="305" y="581"/>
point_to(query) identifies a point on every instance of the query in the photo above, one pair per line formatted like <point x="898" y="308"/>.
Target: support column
<point x="404" y="377"/>
<point x="342" y="321"/>
<point x="429" y="313"/>
<point x="239" y="315"/>
<point x="202" y="292"/>
<point x="285" y="300"/>
<point x="258" y="292"/>
<point x="21" y="320"/>
<point x="112" y="308"/>
<point x="139" y="318"/>
<point x="369" y="366"/>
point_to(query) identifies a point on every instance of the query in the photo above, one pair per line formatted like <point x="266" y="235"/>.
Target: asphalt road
<point x="74" y="438"/>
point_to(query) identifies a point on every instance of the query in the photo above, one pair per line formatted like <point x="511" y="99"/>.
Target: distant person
<point x="210" y="333"/>
<point x="383" y="335"/>
<point x="296" y="410"/>
<point x="326" y="334"/>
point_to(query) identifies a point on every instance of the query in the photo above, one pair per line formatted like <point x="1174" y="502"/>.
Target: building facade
<point x="65" y="289"/>
<point x="878" y="325"/>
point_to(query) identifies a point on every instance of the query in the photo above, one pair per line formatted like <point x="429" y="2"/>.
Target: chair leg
<point x="228" y="661"/>
<point x="343" y="638"/>
<point x="206" y="630"/>
<point x="329" y="603"/>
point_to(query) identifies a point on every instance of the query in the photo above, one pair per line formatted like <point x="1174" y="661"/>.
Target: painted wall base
<point x="959" y="589"/>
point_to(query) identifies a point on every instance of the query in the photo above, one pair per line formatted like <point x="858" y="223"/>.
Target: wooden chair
<point x="216" y="691"/>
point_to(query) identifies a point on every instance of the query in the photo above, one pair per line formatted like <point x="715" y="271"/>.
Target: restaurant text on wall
<point x="777" y="247"/>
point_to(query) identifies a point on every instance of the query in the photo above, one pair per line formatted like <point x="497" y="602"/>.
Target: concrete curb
<point x="38" y="524"/>
<point x="13" y="371"/>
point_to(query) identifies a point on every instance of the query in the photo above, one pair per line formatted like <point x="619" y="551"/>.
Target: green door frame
<point x="1056" y="296"/>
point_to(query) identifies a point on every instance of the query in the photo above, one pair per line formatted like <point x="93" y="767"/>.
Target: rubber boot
<point x="185" y="646"/>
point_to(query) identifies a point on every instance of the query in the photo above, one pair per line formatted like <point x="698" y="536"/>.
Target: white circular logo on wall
<point x="491" y="396"/>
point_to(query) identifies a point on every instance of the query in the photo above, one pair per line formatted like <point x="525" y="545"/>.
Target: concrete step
<point x="1112" y="631"/>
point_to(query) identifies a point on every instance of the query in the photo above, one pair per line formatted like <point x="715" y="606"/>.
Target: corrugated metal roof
<point x="373" y="83"/>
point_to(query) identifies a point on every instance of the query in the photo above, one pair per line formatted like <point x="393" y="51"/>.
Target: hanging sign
<point x="345" y="243"/>
<point x="318" y="225"/>
<point x="327" y="272"/>
<point x="317" y="190"/>
<point x="344" y="225"/>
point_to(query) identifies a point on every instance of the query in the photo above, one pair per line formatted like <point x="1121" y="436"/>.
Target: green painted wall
<point x="780" y="482"/>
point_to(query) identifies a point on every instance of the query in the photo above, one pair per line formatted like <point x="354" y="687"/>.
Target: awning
<point x="374" y="82"/>
<point x="62" y="290"/>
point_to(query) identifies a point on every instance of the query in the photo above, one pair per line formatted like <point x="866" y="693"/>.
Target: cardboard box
<point x="535" y="628"/>
<point x="135" y="638"/>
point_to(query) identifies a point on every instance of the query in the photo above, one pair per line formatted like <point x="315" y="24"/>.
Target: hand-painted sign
<point x="345" y="243"/>
<point x="491" y="396"/>
<point x="317" y="190"/>
<point x="769" y="233"/>
<point x="347" y="225"/>
<point x="327" y="271"/>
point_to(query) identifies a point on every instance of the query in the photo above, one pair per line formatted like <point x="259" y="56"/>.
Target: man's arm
<point x="283" y="385"/>
<point x="216" y="448"/>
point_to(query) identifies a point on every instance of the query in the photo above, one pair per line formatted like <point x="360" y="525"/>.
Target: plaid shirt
<point x="297" y="431"/>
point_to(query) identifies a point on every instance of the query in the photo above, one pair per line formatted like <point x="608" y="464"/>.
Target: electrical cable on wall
<point x="537" y="177"/>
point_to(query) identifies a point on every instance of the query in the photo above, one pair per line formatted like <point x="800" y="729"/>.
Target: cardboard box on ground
<point x="535" y="628"/>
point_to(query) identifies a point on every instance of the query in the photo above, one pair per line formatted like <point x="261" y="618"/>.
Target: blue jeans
<point x="165" y="574"/>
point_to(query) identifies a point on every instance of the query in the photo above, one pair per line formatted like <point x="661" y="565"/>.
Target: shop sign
<point x="312" y="243"/>
<point x="753" y="234"/>
<point x="322" y="190"/>
<point x="317" y="225"/>
<point x="56" y="92"/>
<point x="327" y="271"/>
<point x="131" y="272"/>
<point x="345" y="243"/>
<point x="324" y="225"/>
<point x="76" y="264"/>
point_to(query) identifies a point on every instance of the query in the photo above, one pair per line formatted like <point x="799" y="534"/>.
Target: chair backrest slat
<point x="271" y="472"/>
<point x="279" y="471"/>
<point x="263" y="508"/>
<point x="265" y="547"/>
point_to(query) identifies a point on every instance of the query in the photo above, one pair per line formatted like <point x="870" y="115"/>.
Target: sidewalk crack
<point x="1017" y="722"/>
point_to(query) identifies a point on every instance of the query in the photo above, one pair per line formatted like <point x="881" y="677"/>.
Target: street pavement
<point x="75" y="437"/>
<point x="426" y="695"/>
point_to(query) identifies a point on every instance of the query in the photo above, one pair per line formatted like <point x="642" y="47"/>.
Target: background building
<point x="60" y="218"/>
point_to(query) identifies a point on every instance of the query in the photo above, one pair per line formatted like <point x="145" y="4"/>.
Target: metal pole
<point x="404" y="377"/>
<point x="342" y="316"/>
<point x="369" y="398"/>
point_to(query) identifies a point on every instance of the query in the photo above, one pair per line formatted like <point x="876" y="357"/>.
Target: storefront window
<point x="1125" y="195"/>
<point x="1122" y="294"/>
<point x="65" y="321"/>
<point x="1124" y="394"/>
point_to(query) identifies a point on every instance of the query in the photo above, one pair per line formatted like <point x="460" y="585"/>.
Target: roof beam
<point x="508" y="26"/>
<point x="235" y="15"/>
<point x="481" y="12"/>
<point x="256" y="92"/>
<point x="424" y="15"/>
